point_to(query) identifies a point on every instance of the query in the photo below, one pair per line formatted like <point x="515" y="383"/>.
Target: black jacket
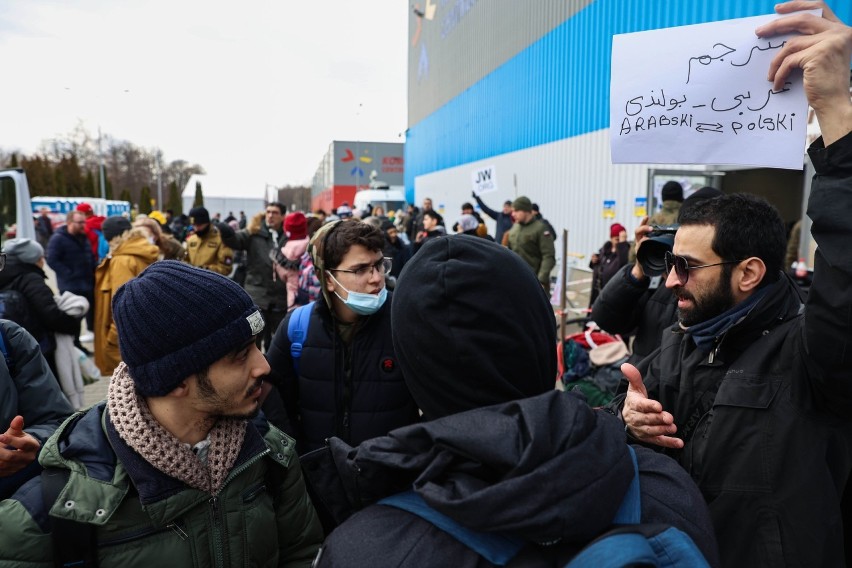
<point x="627" y="307"/>
<point x="399" y="252"/>
<point x="45" y="316"/>
<point x="504" y="220"/>
<point x="29" y="389"/>
<point x="546" y="469"/>
<point x="71" y="258"/>
<point x="354" y="393"/>
<point x="257" y="240"/>
<point x="774" y="451"/>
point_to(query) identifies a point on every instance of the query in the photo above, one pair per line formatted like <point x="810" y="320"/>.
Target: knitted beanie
<point x="522" y="204"/>
<point x="199" y="216"/>
<point x="296" y="226"/>
<point x="26" y="250"/>
<point x="174" y="320"/>
<point x="615" y="229"/>
<point x="672" y="191"/>
<point x="114" y="226"/>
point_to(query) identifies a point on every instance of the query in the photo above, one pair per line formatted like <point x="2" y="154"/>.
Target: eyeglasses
<point x="682" y="268"/>
<point x="382" y="266"/>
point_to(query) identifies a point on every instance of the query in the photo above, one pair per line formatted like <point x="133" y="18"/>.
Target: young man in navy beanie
<point x="180" y="425"/>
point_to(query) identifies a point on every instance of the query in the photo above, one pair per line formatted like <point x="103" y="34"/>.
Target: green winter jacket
<point x="533" y="242"/>
<point x="261" y="517"/>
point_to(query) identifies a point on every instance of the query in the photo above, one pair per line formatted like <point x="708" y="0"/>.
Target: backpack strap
<point x="630" y="512"/>
<point x="636" y="544"/>
<point x="74" y="543"/>
<point x="297" y="332"/>
<point x="641" y="545"/>
<point x="498" y="549"/>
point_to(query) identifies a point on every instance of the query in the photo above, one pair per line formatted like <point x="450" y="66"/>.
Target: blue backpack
<point x="630" y="543"/>
<point x="103" y="245"/>
<point x="297" y="332"/>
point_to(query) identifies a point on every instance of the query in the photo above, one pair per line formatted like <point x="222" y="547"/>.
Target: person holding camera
<point x="751" y="392"/>
<point x="634" y="301"/>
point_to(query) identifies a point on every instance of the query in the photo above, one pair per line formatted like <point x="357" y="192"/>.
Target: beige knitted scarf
<point x="139" y="429"/>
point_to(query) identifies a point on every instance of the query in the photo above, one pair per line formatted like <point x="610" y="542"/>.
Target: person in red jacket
<point x="93" y="224"/>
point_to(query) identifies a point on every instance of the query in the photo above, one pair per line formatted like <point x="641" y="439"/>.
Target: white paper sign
<point x="484" y="180"/>
<point x="699" y="95"/>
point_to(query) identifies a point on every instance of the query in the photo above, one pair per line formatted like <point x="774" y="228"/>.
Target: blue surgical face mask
<point x="361" y="303"/>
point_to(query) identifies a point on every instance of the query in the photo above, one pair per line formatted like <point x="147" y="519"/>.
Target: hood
<point x="15" y="268"/>
<point x="561" y="466"/>
<point x="256" y="224"/>
<point x="472" y="327"/>
<point x="94" y="223"/>
<point x="135" y="245"/>
<point x="294" y="250"/>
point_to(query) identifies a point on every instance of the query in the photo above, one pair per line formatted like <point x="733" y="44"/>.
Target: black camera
<point x="652" y="251"/>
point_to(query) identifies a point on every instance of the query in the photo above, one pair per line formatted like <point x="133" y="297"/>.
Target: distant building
<point x="347" y="166"/>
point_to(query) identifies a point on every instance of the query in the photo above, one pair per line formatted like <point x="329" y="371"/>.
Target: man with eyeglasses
<point x="347" y="381"/>
<point x="752" y="392"/>
<point x="70" y="256"/>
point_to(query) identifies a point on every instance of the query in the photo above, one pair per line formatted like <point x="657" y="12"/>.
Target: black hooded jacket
<point x="773" y="450"/>
<point x="504" y="451"/>
<point x="45" y="317"/>
<point x="546" y="469"/>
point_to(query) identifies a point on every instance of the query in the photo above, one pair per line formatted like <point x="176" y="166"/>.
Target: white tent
<point x="223" y="197"/>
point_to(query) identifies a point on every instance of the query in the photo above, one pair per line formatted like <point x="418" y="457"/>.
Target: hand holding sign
<point x="712" y="105"/>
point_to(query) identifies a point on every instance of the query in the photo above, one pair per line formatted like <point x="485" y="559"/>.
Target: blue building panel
<point x="556" y="88"/>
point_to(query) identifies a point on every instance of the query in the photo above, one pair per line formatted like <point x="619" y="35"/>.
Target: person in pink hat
<point x="605" y="263"/>
<point x="286" y="263"/>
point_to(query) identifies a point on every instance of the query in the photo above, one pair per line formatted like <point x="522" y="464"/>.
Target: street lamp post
<point x="159" y="183"/>
<point x="101" y="165"/>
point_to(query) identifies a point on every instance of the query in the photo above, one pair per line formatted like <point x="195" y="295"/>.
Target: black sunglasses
<point x="682" y="268"/>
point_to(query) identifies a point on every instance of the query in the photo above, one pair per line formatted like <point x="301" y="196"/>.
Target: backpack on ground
<point x="297" y="332"/>
<point x="629" y="543"/>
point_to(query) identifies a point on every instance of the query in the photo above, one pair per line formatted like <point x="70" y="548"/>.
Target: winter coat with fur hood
<point x="129" y="255"/>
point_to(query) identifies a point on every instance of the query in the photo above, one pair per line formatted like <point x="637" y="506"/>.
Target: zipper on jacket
<point x="219" y="537"/>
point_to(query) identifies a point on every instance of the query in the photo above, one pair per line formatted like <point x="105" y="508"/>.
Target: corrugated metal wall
<point x="454" y="43"/>
<point x="542" y="114"/>
<point x="569" y="179"/>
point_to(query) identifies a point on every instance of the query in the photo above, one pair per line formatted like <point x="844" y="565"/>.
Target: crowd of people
<point x="378" y="388"/>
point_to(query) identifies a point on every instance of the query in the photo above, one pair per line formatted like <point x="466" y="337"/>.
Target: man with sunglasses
<point x="751" y="393"/>
<point x="347" y="381"/>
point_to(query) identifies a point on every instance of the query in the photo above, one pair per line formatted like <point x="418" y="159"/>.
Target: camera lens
<point x="652" y="252"/>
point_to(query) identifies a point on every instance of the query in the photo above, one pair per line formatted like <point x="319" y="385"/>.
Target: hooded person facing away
<point x="503" y="452"/>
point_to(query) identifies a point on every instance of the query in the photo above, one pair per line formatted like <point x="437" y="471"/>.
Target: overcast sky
<point x="224" y="84"/>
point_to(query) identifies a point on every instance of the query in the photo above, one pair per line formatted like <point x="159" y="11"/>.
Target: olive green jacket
<point x="262" y="516"/>
<point x="533" y="242"/>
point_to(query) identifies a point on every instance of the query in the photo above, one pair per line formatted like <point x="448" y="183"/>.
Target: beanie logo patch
<point x="255" y="321"/>
<point x="388" y="365"/>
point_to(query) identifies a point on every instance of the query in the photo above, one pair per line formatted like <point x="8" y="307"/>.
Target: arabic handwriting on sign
<point x="708" y="59"/>
<point x="769" y="93"/>
<point x="738" y="98"/>
<point x="634" y="106"/>
<point x="676" y="103"/>
<point x="757" y="47"/>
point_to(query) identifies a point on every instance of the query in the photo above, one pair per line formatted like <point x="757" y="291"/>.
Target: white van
<point x="16" y="213"/>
